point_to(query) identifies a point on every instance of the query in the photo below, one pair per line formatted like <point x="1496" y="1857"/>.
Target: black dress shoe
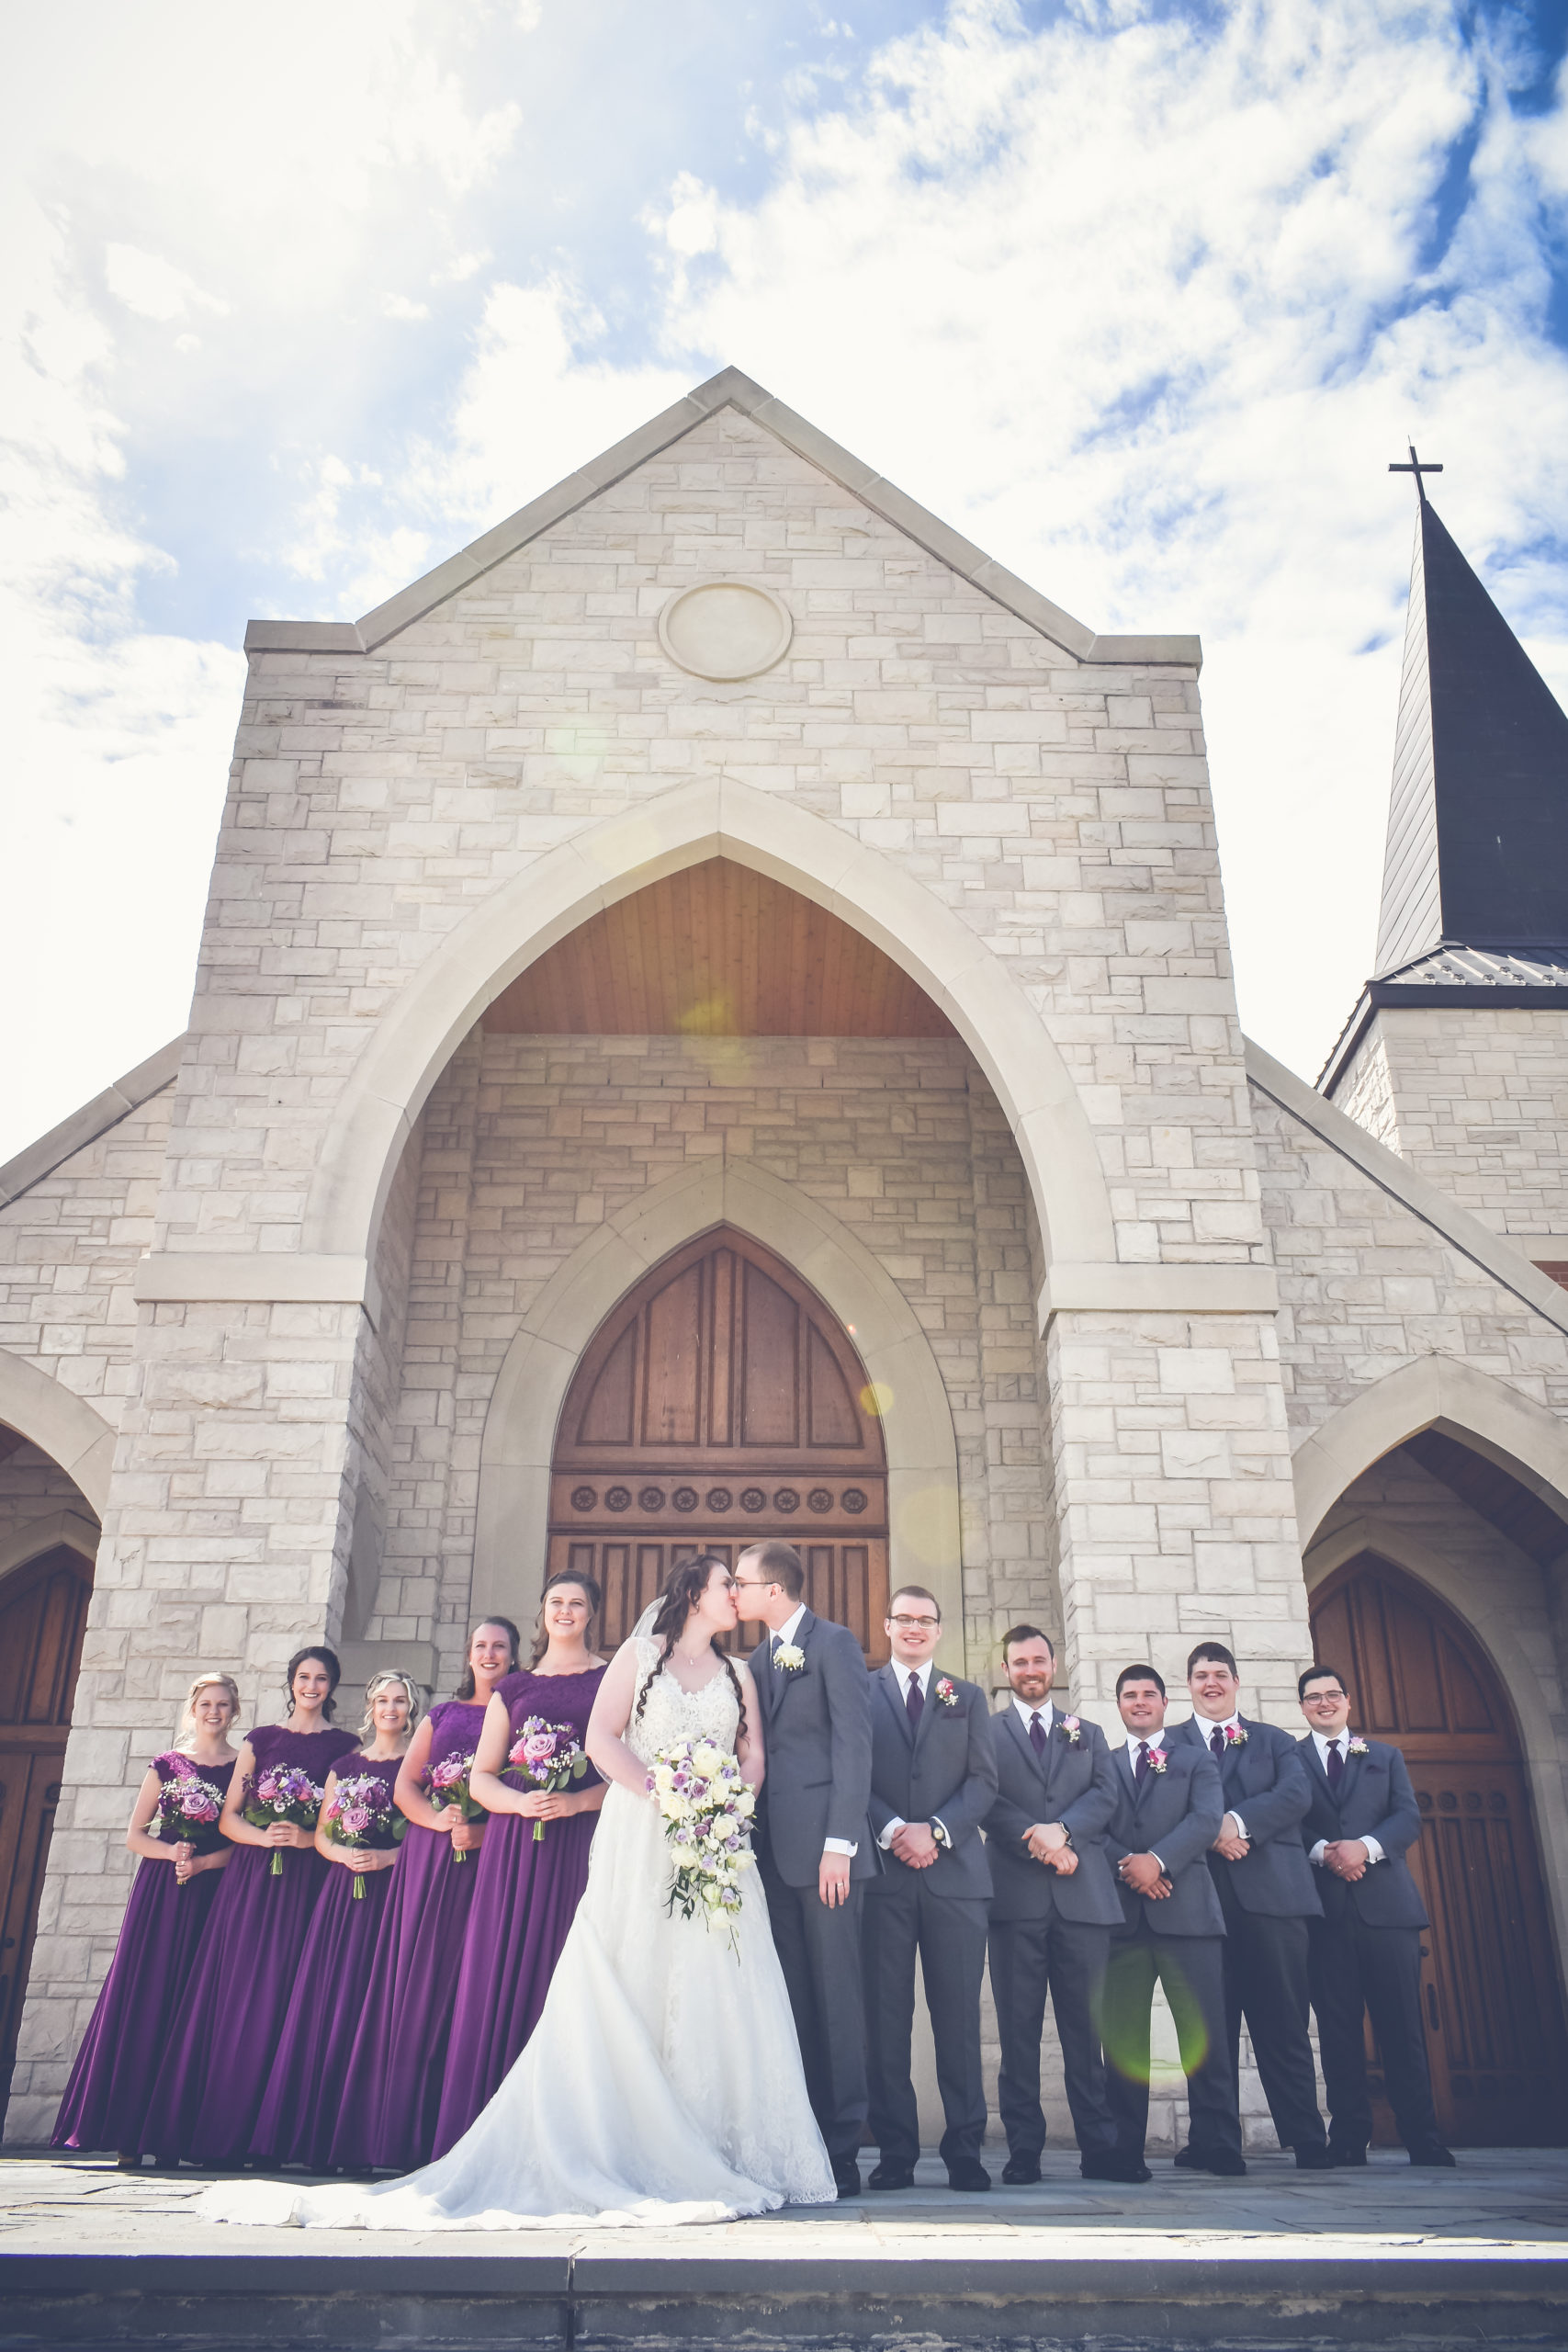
<point x="967" y="2172"/>
<point x="1433" y="2152"/>
<point x="1225" y="2167"/>
<point x="1341" y="2156"/>
<point x="847" y="2177"/>
<point x="1185" y="2160"/>
<point x="1128" y="2170"/>
<point x="884" y="2177"/>
<point x="1019" y="2171"/>
<point x="1313" y="2160"/>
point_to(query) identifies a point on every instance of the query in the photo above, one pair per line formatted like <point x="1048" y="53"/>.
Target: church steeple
<point x="1477" y="851"/>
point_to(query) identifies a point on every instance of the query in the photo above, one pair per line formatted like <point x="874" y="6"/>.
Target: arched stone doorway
<point x="43" y="1612"/>
<point x="719" y="1402"/>
<point x="1494" y="2030"/>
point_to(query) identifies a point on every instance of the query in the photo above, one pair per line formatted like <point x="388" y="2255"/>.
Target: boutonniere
<point x="946" y="1695"/>
<point x="1157" y="1759"/>
<point x="1072" y="1728"/>
<point x="788" y="1658"/>
<point x="1235" y="1735"/>
<point x="1359" y="1747"/>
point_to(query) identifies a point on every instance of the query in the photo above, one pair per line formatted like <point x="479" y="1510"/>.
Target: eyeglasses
<point x="750" y="1584"/>
<point x="915" y="1625"/>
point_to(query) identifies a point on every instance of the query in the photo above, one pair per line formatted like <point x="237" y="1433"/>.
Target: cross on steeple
<point x="1417" y="468"/>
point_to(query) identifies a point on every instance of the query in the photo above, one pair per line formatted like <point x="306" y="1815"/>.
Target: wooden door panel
<point x="720" y="1403"/>
<point x="43" y="1613"/>
<point x="1490" y="1991"/>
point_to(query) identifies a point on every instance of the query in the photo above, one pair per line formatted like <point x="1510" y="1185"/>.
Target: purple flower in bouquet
<point x="549" y="1756"/>
<point x="446" y="1786"/>
<point x="283" y="1793"/>
<point x="361" y="1813"/>
<point x="187" y="1807"/>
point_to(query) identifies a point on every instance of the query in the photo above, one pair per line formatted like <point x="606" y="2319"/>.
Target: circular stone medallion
<point x="726" y="629"/>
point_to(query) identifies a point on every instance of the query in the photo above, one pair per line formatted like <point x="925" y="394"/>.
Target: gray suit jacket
<point x="1375" y="1800"/>
<point x="1072" y="1783"/>
<point x="945" y="1770"/>
<point x="1176" y="1814"/>
<point x="1265" y="1781"/>
<point x="816" y="1733"/>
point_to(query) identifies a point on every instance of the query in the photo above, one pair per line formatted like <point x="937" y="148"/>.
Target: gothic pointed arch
<point x="417" y="1035"/>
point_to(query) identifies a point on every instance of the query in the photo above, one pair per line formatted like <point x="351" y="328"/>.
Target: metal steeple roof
<point x="1477" y="851"/>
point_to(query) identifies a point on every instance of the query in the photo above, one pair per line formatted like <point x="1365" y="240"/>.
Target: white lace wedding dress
<point x="663" y="2080"/>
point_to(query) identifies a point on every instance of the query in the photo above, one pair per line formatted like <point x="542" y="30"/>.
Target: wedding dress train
<point x="663" y="2081"/>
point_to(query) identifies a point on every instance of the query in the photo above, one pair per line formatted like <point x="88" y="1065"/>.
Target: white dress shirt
<point x="781" y="1639"/>
<point x="1374" y="1851"/>
<point x="1026" y="1713"/>
<point x="1231" y="1723"/>
<point x="922" y="1675"/>
<point x="1155" y="1747"/>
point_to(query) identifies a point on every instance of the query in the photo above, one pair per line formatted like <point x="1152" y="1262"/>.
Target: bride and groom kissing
<point x="682" y="2072"/>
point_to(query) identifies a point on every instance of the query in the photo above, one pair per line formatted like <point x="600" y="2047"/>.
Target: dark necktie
<point x="1037" y="1734"/>
<point x="773" y="1652"/>
<point x="914" y="1702"/>
<point x="1334" y="1765"/>
<point x="1217" y="1739"/>
<point x="1141" y="1769"/>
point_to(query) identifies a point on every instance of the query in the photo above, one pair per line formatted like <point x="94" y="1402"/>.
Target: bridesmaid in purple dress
<point x="393" y="2092"/>
<point x="527" y="1890"/>
<point x="299" y="2112"/>
<point x="220" y="2048"/>
<point x="106" y="2100"/>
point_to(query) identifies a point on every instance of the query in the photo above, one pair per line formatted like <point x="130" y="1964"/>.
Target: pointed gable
<point x="1477" y="848"/>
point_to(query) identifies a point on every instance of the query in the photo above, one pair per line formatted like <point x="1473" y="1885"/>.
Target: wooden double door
<point x="1489" y="1980"/>
<point x="43" y="1613"/>
<point x="722" y="1402"/>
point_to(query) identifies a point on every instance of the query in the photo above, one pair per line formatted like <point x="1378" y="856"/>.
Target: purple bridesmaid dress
<point x="220" y="2051"/>
<point x="300" y="2111"/>
<point x="392" y="2092"/>
<point x="106" y="2100"/>
<point x="523" y="1905"/>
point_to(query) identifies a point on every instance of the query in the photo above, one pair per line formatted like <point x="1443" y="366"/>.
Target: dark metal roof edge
<point x="1542" y="993"/>
<point x="1342" y="1051"/>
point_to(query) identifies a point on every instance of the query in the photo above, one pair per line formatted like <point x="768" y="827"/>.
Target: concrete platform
<point x="90" y="2256"/>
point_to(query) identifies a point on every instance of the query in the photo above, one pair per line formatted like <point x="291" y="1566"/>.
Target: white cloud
<point x="152" y="288"/>
<point x="398" y="306"/>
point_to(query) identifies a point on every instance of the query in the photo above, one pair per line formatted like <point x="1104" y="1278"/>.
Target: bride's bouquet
<point x="283" y="1792"/>
<point x="707" y="1809"/>
<point x="547" y="1755"/>
<point x="361" y="1814"/>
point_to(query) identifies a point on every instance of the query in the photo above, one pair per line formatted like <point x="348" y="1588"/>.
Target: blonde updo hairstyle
<point x="382" y="1682"/>
<point x="208" y="1682"/>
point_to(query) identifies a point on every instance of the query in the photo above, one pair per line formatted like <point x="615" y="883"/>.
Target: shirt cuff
<point x="1314" y="1853"/>
<point x="1374" y="1851"/>
<point x="840" y="1846"/>
<point x="885" y="1840"/>
<point x="1240" y="1824"/>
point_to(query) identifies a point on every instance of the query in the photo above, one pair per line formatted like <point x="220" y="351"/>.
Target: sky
<point x="1141" y="297"/>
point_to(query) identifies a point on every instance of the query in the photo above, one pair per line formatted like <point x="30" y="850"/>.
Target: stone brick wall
<point x="34" y="1491"/>
<point x="1477" y="1100"/>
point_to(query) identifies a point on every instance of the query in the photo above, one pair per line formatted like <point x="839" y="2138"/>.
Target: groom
<point x="814" y="1844"/>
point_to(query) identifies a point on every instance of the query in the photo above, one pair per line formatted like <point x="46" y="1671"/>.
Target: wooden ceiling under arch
<point x="716" y="950"/>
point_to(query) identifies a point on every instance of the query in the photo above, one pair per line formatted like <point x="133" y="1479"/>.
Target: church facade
<point x="714" y="1017"/>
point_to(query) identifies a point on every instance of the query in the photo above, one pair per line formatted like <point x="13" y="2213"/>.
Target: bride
<point x="663" y="2081"/>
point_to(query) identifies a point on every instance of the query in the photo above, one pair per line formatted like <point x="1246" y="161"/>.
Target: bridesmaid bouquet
<point x="283" y="1792"/>
<point x="446" y="1784"/>
<point x="187" y="1807"/>
<point x="361" y="1814"/>
<point x="707" y="1809"/>
<point x="549" y="1756"/>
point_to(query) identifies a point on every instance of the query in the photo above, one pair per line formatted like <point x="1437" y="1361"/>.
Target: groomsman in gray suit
<point x="815" y="1851"/>
<point x="1054" y="1905"/>
<point x="933" y="1776"/>
<point x="1365" y="1951"/>
<point x="1168" y="1809"/>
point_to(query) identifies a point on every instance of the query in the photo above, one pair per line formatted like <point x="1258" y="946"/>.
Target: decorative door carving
<point x="1494" y="2033"/>
<point x="722" y="1402"/>
<point x="43" y="1612"/>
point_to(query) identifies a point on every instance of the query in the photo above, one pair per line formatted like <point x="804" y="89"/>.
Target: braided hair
<point x="680" y="1596"/>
